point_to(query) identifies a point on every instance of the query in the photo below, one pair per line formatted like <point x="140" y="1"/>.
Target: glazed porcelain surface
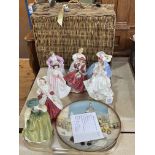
<point x="108" y="120"/>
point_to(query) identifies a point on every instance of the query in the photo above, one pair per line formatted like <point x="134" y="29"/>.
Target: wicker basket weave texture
<point x="93" y="32"/>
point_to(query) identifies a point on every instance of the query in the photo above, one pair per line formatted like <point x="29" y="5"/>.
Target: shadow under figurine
<point x="38" y="128"/>
<point x="47" y="97"/>
<point x="99" y="85"/>
<point x="77" y="72"/>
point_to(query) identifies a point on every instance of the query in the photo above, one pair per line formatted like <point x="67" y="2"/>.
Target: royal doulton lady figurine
<point x="47" y="97"/>
<point x="55" y="78"/>
<point x="99" y="86"/>
<point x="106" y="67"/>
<point x="76" y="60"/>
<point x="53" y="58"/>
<point x="38" y="128"/>
<point x="77" y="71"/>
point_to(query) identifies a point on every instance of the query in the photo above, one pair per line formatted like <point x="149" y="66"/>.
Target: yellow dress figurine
<point x="38" y="128"/>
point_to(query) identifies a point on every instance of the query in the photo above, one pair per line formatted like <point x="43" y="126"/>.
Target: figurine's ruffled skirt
<point x="75" y="82"/>
<point x="52" y="109"/>
<point x="39" y="128"/>
<point x="98" y="87"/>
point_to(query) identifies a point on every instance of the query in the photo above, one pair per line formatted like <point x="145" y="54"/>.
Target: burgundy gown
<point x="52" y="109"/>
<point x="74" y="81"/>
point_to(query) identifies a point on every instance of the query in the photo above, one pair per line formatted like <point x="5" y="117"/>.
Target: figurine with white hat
<point x="106" y="66"/>
<point x="99" y="86"/>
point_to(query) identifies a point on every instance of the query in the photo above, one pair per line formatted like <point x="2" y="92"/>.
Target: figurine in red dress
<point x="47" y="97"/>
<point x="77" y="72"/>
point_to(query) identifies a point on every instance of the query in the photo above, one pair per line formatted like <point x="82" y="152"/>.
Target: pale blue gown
<point x="106" y="69"/>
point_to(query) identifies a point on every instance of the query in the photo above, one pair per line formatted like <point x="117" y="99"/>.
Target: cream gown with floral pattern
<point x="99" y="86"/>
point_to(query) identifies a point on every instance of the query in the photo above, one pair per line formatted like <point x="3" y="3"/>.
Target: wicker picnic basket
<point x="92" y="28"/>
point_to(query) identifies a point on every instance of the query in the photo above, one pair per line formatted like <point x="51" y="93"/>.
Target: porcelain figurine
<point x="77" y="72"/>
<point x="38" y="128"/>
<point x="99" y="86"/>
<point x="106" y="67"/>
<point x="47" y="97"/>
<point x="55" y="78"/>
<point x="56" y="58"/>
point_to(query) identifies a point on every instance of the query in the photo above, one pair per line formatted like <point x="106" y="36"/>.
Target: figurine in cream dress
<point x="99" y="85"/>
<point x="47" y="97"/>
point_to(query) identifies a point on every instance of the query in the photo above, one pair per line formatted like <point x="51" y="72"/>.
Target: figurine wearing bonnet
<point x="47" y="97"/>
<point x="106" y="66"/>
<point x="56" y="58"/>
<point x="38" y="128"/>
<point x="55" y="77"/>
<point x="99" y="86"/>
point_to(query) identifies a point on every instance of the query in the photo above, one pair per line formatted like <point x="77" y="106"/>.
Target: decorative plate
<point x="108" y="120"/>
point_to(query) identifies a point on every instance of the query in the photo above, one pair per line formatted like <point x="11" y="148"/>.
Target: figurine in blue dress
<point x="106" y="67"/>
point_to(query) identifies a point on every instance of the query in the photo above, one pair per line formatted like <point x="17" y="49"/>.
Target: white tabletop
<point x="123" y="87"/>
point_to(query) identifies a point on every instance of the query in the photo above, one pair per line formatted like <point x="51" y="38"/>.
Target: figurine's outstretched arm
<point x="61" y="77"/>
<point x="27" y="115"/>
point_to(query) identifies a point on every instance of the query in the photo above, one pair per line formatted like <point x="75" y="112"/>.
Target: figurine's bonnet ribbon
<point x="61" y="61"/>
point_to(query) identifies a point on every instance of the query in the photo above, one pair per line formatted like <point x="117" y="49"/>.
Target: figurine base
<point x="45" y="146"/>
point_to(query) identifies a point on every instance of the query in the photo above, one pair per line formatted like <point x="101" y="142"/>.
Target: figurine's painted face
<point x="36" y="108"/>
<point x="81" y="60"/>
<point x="99" y="59"/>
<point x="42" y="81"/>
<point x="80" y="50"/>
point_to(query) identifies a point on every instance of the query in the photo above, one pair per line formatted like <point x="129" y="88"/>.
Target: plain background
<point x="144" y="78"/>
